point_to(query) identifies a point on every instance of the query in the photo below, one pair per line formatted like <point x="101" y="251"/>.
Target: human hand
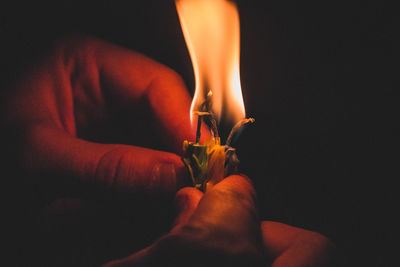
<point x="218" y="228"/>
<point x="71" y="112"/>
<point x="221" y="228"/>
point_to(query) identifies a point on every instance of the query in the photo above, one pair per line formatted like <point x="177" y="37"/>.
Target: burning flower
<point x="212" y="34"/>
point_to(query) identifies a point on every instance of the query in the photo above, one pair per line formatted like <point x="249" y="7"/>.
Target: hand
<point x="71" y="112"/>
<point x="221" y="228"/>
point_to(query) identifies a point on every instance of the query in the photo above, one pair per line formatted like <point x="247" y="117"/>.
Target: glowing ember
<point x="211" y="30"/>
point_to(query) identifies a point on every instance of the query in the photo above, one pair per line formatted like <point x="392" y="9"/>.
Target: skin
<point x="221" y="228"/>
<point x="81" y="87"/>
<point x="70" y="108"/>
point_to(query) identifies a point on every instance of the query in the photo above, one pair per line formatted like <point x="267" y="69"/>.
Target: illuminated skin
<point x="221" y="228"/>
<point x="75" y="91"/>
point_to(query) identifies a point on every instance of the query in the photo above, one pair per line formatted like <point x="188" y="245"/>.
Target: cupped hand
<point x="72" y="111"/>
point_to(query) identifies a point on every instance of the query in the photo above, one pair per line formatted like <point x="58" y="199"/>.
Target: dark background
<point x="316" y="75"/>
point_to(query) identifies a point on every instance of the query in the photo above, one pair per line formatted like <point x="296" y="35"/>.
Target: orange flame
<point x="212" y="33"/>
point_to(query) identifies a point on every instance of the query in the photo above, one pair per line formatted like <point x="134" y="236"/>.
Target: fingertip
<point x="238" y="183"/>
<point x="189" y="191"/>
<point x="186" y="202"/>
<point x="240" y="180"/>
<point x="188" y="196"/>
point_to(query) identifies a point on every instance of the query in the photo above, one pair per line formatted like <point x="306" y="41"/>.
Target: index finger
<point x="112" y="82"/>
<point x="132" y="79"/>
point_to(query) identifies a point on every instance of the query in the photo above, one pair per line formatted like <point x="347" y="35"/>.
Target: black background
<point x="316" y="75"/>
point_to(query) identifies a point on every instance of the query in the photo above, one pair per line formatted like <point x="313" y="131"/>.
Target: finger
<point x="130" y="79"/>
<point x="292" y="246"/>
<point x="86" y="85"/>
<point x="278" y="236"/>
<point x="65" y="95"/>
<point x="229" y="207"/>
<point x="117" y="167"/>
<point x="233" y="193"/>
<point x="186" y="201"/>
<point x="237" y="184"/>
<point x="220" y="222"/>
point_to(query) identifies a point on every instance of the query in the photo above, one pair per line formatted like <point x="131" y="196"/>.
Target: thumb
<point x="52" y="152"/>
<point x="186" y="201"/>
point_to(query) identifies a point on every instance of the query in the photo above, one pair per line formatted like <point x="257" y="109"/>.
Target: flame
<point x="212" y="33"/>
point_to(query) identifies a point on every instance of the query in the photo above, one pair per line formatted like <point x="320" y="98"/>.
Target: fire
<point x="212" y="33"/>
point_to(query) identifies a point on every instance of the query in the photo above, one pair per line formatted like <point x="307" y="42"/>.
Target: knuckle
<point x="110" y="169"/>
<point x="169" y="75"/>
<point x="136" y="170"/>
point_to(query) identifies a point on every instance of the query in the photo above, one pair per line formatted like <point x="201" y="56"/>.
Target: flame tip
<point x="212" y="34"/>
